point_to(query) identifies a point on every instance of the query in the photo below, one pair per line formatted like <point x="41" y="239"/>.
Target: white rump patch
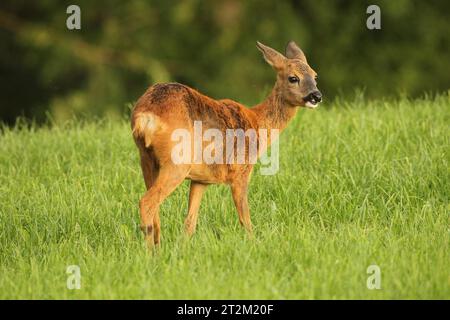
<point x="145" y="126"/>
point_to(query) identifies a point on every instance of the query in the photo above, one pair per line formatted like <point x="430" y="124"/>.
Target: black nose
<point x="315" y="96"/>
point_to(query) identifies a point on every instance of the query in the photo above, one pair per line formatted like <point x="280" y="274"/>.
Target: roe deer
<point x="166" y="107"/>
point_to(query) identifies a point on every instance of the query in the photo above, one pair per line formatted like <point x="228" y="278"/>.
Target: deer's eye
<point x="293" y="79"/>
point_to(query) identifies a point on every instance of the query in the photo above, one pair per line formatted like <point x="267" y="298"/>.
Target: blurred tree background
<point x="125" y="46"/>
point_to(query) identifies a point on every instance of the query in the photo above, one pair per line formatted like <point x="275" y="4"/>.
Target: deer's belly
<point x="213" y="173"/>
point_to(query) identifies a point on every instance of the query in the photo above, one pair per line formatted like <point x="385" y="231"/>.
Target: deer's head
<point x="296" y="80"/>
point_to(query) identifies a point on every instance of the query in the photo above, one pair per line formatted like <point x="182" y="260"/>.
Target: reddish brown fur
<point x="166" y="107"/>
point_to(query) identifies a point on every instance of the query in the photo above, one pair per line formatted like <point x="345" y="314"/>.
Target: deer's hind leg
<point x="150" y="170"/>
<point x="160" y="181"/>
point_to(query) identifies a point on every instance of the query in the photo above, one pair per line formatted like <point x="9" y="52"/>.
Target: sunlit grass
<point x="359" y="184"/>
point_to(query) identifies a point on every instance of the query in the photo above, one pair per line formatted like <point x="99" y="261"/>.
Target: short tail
<point x="144" y="126"/>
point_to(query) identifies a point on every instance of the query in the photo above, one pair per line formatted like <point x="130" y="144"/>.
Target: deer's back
<point x="174" y="102"/>
<point x="166" y="107"/>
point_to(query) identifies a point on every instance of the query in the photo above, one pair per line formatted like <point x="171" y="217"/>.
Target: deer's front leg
<point x="195" y="196"/>
<point x="239" y="191"/>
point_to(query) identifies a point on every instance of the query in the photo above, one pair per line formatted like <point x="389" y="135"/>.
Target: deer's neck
<point x="274" y="112"/>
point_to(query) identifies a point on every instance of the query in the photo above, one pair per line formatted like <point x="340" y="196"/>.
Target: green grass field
<point x="359" y="184"/>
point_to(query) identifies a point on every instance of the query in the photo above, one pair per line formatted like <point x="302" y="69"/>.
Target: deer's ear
<point x="294" y="52"/>
<point x="272" y="56"/>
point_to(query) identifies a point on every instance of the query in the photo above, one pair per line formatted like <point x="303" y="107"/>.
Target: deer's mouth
<point x="311" y="104"/>
<point x="313" y="99"/>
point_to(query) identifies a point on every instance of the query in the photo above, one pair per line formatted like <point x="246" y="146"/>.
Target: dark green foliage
<point x="124" y="46"/>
